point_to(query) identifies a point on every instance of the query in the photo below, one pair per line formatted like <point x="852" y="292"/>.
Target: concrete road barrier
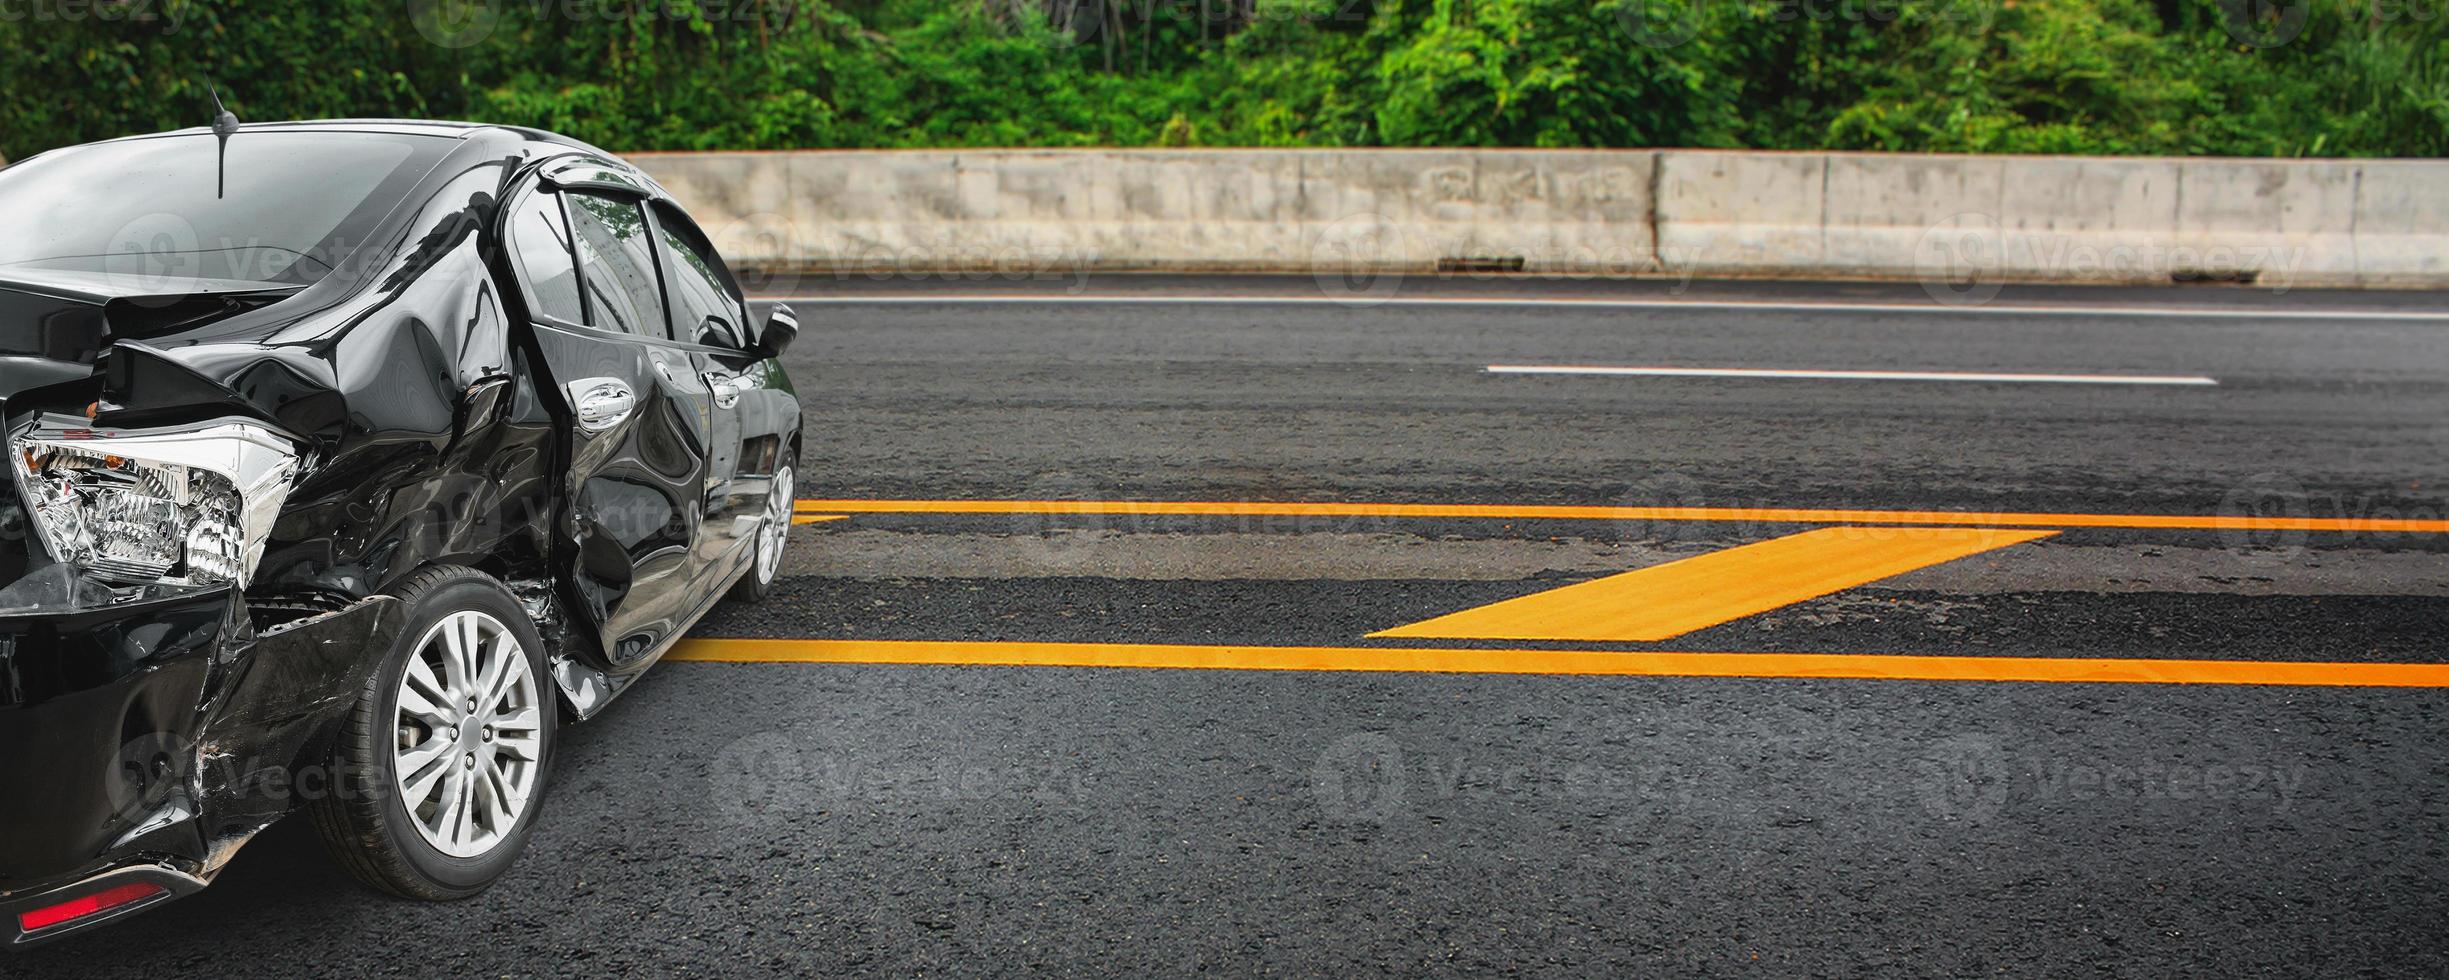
<point x="1957" y="223"/>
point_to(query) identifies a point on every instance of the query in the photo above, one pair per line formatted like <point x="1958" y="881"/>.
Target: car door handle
<point x="602" y="402"/>
<point x="726" y="390"/>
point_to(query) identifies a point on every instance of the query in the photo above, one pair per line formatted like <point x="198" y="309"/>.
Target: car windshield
<point x="284" y="207"/>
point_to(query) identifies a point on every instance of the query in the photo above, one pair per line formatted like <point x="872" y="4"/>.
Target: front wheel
<point x="443" y="761"/>
<point x="773" y="533"/>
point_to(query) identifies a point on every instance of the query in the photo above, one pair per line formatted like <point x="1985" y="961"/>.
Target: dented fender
<point x="282" y="694"/>
<point x="167" y="730"/>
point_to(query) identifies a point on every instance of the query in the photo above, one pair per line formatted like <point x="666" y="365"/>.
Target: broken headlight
<point x="190" y="504"/>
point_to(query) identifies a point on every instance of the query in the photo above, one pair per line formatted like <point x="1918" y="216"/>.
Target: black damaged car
<point x="349" y="460"/>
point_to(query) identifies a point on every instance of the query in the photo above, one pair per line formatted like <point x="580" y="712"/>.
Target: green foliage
<point x="1551" y="73"/>
<point x="2306" y="77"/>
<point x="119" y="69"/>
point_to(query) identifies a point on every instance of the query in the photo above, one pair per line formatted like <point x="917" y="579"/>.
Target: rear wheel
<point x="773" y="534"/>
<point x="444" y="759"/>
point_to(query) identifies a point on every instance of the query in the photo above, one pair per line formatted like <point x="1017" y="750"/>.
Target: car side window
<point x="617" y="262"/>
<point x="540" y="243"/>
<point x="705" y="305"/>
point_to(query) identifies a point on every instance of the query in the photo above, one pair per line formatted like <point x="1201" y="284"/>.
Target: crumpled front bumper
<point x="152" y="736"/>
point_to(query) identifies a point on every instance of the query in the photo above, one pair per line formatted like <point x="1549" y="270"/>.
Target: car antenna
<point x="225" y="125"/>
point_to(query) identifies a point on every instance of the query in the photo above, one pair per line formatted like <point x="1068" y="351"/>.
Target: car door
<point x="707" y="310"/>
<point x="639" y="416"/>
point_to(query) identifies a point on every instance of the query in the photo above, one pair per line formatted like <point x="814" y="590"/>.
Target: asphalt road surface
<point x="899" y="766"/>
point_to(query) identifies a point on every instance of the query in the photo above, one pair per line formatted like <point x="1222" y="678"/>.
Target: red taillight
<point x="78" y="908"/>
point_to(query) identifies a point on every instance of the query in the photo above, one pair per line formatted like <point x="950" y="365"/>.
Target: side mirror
<point x="781" y="327"/>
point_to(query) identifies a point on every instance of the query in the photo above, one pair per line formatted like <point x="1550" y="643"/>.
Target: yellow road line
<point x="1578" y="662"/>
<point x="797" y="519"/>
<point x="1670" y="600"/>
<point x="1750" y="515"/>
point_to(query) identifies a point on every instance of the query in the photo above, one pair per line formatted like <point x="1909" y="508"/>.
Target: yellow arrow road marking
<point x="1665" y="601"/>
<point x="1583" y="662"/>
<point x="1734" y="515"/>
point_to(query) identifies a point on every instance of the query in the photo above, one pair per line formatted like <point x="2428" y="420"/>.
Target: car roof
<point x="448" y="129"/>
<point x="542" y="143"/>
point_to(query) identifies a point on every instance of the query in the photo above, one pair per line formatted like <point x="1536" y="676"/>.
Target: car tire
<point x="773" y="535"/>
<point x="442" y="835"/>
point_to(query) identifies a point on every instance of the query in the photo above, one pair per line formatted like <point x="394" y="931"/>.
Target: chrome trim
<point x="601" y="403"/>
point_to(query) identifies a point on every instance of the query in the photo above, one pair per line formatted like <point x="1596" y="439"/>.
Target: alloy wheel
<point x="469" y="734"/>
<point x="777" y="529"/>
